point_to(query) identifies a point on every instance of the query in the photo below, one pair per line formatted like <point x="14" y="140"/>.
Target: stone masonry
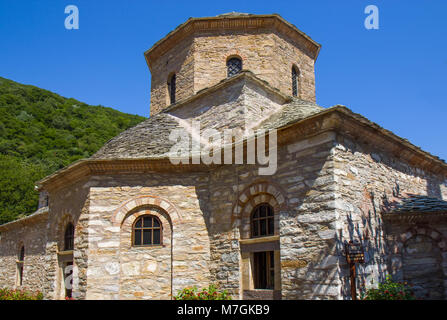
<point x="198" y="51"/>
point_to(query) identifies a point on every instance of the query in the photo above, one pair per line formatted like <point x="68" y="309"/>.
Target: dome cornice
<point x="231" y="23"/>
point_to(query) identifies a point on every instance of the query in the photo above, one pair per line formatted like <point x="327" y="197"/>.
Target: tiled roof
<point x="40" y="212"/>
<point x="150" y="138"/>
<point x="412" y="203"/>
<point x="291" y="112"/>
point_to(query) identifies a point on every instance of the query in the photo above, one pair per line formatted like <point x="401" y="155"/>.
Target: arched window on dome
<point x="172" y="88"/>
<point x="22" y="254"/>
<point x="295" y="81"/>
<point x="234" y="66"/>
<point x="147" y="231"/>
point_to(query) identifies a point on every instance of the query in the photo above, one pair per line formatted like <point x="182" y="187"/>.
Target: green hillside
<point x="41" y="132"/>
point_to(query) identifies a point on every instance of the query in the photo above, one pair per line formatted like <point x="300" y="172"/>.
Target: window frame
<point x="21" y="257"/>
<point x="172" y="88"/>
<point x="69" y="245"/>
<point x="295" y="81"/>
<point x="233" y="58"/>
<point x="264" y="271"/>
<point x="258" y="221"/>
<point x="150" y="228"/>
<point x="20" y="266"/>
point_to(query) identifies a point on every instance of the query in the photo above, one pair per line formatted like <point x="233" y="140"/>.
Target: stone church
<point x="143" y="219"/>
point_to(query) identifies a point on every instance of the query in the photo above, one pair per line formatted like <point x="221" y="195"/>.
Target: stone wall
<point x="44" y="242"/>
<point x="327" y="189"/>
<point x="303" y="186"/>
<point x="178" y="60"/>
<point x="67" y="205"/>
<point x="309" y="253"/>
<point x="200" y="62"/>
<point x="146" y="271"/>
<point x="114" y="267"/>
<point x="266" y="53"/>
<point x="287" y="54"/>
<point x="418" y="255"/>
<point x="32" y="235"/>
<point x="364" y="174"/>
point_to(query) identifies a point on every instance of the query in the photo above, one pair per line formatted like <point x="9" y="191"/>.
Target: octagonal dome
<point x="197" y="53"/>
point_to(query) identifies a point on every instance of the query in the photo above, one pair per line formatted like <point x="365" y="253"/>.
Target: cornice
<point x="337" y="119"/>
<point x="342" y="120"/>
<point x="219" y="23"/>
<point x="89" y="167"/>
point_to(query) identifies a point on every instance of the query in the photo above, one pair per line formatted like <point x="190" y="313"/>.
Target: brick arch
<point x="146" y="201"/>
<point x="407" y="274"/>
<point x="253" y="195"/>
<point x="133" y="215"/>
<point x="150" y="211"/>
<point x="432" y="233"/>
<point x="235" y="54"/>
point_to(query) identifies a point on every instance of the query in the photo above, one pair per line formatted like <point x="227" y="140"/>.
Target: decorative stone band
<point x="144" y="201"/>
<point x="435" y="235"/>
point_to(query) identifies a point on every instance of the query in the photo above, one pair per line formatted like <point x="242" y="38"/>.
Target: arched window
<point x="262" y="221"/>
<point x="69" y="237"/>
<point x="20" y="266"/>
<point x="147" y="231"/>
<point x="234" y="66"/>
<point x="295" y="80"/>
<point x="22" y="254"/>
<point x="171" y="88"/>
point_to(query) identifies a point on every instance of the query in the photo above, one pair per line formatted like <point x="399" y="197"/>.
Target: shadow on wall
<point x="369" y="230"/>
<point x="310" y="259"/>
<point x="320" y="277"/>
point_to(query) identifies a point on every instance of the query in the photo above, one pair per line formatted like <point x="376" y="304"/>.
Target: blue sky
<point x="395" y="76"/>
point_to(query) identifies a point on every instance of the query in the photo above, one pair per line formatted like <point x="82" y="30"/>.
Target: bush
<point x="389" y="290"/>
<point x="209" y="293"/>
<point x="8" y="294"/>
